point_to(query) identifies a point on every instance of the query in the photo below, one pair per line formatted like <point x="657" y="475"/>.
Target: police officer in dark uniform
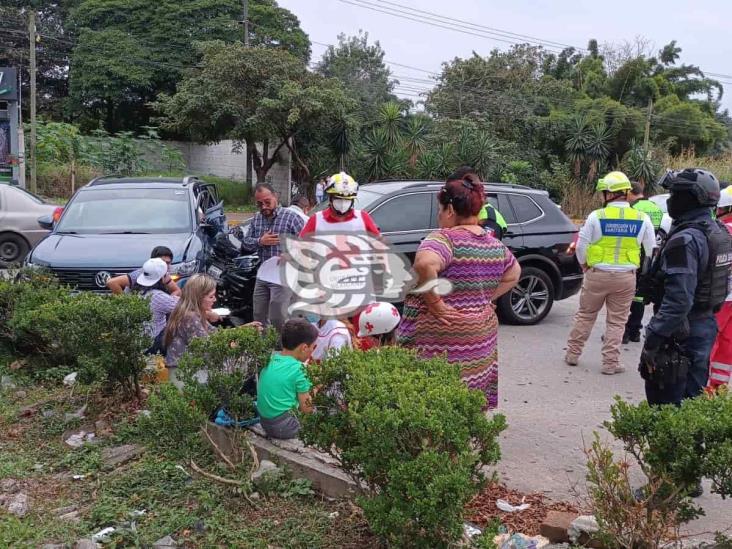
<point x="687" y="283"/>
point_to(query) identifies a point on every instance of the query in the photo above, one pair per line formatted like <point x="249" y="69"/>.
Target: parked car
<point x="110" y="226"/>
<point x="19" y="230"/>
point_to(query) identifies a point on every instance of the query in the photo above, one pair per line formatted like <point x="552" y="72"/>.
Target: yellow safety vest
<point x="619" y="242"/>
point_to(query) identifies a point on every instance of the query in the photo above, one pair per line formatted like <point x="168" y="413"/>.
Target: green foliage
<point x="412" y="432"/>
<point x="230" y="359"/>
<point x="675" y="448"/>
<point x="102" y="336"/>
<point x="174" y="423"/>
<point x="19" y="299"/>
<point x="279" y="482"/>
<point x="252" y="95"/>
<point x="641" y="165"/>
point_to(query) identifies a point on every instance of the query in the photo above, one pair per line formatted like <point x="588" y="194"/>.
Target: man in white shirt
<point x="609" y="250"/>
<point x="301" y="206"/>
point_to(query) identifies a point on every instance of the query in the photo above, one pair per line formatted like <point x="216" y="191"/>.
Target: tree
<point x="361" y="68"/>
<point x="158" y="40"/>
<point x="53" y="49"/>
<point x="256" y="95"/>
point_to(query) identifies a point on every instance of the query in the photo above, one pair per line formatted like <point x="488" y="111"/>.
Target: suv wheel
<point x="530" y="300"/>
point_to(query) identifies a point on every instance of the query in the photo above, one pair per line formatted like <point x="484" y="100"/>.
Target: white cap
<point x="152" y="271"/>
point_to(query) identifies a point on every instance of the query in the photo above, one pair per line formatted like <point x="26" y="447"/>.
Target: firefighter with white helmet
<point x="341" y="215"/>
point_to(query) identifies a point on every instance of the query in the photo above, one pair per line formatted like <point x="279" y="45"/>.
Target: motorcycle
<point x="235" y="276"/>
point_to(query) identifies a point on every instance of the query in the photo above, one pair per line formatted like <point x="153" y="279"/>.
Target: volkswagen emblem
<point x="101" y="279"/>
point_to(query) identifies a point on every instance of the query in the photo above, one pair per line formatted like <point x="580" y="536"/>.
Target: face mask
<point x="341" y="205"/>
<point x="676" y="206"/>
<point x="312" y="318"/>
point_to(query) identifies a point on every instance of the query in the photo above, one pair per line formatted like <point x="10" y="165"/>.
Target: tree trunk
<point x="73" y="176"/>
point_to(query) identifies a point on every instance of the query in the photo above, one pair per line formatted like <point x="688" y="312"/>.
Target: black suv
<point x="110" y="226"/>
<point x="541" y="237"/>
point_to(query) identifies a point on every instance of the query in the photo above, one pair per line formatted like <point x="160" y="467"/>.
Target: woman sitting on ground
<point x="191" y="319"/>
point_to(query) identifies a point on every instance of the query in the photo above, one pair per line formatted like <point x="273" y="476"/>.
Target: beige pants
<point x="615" y="291"/>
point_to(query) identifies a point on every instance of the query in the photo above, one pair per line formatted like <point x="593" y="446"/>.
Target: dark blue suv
<point x="110" y="226"/>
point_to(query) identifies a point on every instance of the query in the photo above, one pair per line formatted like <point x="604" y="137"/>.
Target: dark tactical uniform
<point x="689" y="282"/>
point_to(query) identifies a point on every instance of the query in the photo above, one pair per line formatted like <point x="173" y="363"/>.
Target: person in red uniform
<point x="341" y="214"/>
<point x="720" y="360"/>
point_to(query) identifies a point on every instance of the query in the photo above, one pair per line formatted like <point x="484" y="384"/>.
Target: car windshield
<point x="134" y="210"/>
<point x="363" y="201"/>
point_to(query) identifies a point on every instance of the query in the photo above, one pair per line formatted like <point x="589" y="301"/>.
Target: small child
<point x="377" y="325"/>
<point x="284" y="384"/>
<point x="333" y="334"/>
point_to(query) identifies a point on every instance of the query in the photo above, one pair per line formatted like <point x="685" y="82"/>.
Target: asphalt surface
<point x="552" y="410"/>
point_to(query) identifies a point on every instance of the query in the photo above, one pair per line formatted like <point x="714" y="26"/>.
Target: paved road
<point x="551" y="408"/>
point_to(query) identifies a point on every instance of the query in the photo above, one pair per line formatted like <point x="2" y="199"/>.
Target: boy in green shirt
<point x="283" y="384"/>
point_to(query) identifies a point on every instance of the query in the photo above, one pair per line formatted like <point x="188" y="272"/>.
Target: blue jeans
<point x="698" y="346"/>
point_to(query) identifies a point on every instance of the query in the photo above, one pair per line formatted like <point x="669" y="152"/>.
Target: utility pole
<point x="32" y="149"/>
<point x="245" y="21"/>
<point x="250" y="146"/>
<point x="647" y="134"/>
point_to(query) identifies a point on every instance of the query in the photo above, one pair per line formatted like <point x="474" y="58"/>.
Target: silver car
<point x="19" y="228"/>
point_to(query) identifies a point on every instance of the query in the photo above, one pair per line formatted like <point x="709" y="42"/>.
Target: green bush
<point x="412" y="433"/>
<point x="103" y="334"/>
<point x="18" y="299"/>
<point x="235" y="194"/>
<point x="229" y="359"/>
<point x="174" y="422"/>
<point x="675" y="447"/>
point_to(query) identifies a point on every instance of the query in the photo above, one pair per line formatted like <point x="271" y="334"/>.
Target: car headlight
<point x="36" y="264"/>
<point x="180" y="270"/>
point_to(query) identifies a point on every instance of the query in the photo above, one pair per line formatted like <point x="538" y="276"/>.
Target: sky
<point x="701" y="29"/>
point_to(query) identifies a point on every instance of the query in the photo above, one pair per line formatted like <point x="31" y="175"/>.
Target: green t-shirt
<point x="279" y="383"/>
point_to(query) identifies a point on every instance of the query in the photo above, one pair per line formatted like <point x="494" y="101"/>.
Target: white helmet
<point x="725" y="198"/>
<point x="378" y="319"/>
<point x="342" y="185"/>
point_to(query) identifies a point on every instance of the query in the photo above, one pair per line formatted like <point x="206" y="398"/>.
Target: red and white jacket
<point x="353" y="222"/>
<point x="720" y="370"/>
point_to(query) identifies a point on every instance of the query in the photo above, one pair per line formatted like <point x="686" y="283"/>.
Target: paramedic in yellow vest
<point x="639" y="202"/>
<point x="609" y="250"/>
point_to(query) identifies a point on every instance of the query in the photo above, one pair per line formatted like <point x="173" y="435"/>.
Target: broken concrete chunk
<point x="85" y="544"/>
<point x="165" y="543"/>
<point x="119" y="455"/>
<point x="556" y="525"/>
<point x="264" y="466"/>
<point x="19" y="505"/>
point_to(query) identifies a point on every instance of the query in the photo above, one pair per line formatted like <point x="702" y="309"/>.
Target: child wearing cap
<point x="149" y="284"/>
<point x="284" y="384"/>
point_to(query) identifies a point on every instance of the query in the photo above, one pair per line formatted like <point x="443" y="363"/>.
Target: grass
<point x="146" y="499"/>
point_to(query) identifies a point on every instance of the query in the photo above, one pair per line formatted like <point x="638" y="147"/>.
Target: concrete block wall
<point x="223" y="159"/>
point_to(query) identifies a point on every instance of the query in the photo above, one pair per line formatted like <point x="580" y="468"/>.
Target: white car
<point x="660" y="201"/>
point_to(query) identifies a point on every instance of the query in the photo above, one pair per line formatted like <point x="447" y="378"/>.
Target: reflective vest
<point x="652" y="210"/>
<point x="489" y="213"/>
<point x="619" y="242"/>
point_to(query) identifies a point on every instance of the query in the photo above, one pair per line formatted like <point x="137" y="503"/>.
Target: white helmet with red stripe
<point x="378" y="319"/>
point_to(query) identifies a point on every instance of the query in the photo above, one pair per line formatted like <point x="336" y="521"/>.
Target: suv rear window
<point x="407" y="212"/>
<point x="525" y="208"/>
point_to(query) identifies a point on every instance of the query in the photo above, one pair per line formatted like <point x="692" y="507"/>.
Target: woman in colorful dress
<point x="463" y="323"/>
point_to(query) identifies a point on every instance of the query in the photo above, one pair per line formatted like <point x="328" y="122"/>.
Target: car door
<point x="405" y="219"/>
<point x="211" y="206"/>
<point x="513" y="237"/>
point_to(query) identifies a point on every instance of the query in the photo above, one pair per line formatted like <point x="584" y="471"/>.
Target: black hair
<point x="296" y="332"/>
<point x="302" y="201"/>
<point x="265" y="187"/>
<point x="161" y="251"/>
<point x="636" y="187"/>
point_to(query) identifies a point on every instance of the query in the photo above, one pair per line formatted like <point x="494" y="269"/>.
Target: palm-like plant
<point x="414" y="136"/>
<point x="577" y="144"/>
<point x="428" y="166"/>
<point x="598" y="149"/>
<point x="390" y="120"/>
<point x="641" y="165"/>
<point x="376" y="149"/>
